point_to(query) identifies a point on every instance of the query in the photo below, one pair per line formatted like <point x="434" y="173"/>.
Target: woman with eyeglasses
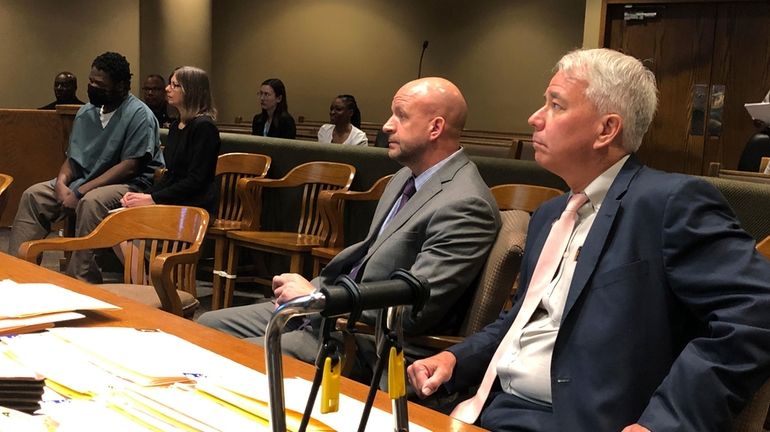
<point x="274" y="120"/>
<point x="344" y="123"/>
<point x="191" y="149"/>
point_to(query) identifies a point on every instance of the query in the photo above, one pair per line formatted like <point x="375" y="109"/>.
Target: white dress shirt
<point x="525" y="368"/>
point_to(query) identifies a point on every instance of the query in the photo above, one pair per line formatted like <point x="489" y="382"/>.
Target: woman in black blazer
<point x="191" y="149"/>
<point x="274" y="120"/>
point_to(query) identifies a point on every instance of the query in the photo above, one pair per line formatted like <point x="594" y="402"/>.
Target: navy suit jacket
<point x="666" y="322"/>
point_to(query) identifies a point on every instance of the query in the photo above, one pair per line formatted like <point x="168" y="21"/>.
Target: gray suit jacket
<point x="443" y="234"/>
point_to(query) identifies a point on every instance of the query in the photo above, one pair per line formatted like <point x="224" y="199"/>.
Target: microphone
<point x="346" y="296"/>
<point x="419" y="67"/>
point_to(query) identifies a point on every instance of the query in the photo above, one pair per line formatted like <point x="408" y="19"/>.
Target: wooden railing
<point x="715" y="170"/>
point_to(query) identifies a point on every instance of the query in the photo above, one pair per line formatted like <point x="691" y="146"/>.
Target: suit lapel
<point x="430" y="189"/>
<point x="597" y="238"/>
<point x="354" y="253"/>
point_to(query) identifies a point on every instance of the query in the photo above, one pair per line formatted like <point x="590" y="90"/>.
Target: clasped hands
<point x="136" y="199"/>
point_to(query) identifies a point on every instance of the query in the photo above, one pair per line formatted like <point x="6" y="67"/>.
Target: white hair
<point x="617" y="83"/>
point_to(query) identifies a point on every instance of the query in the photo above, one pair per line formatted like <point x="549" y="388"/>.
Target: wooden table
<point x="138" y="315"/>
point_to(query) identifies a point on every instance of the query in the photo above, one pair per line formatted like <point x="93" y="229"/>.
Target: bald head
<point x="428" y="117"/>
<point x="440" y="98"/>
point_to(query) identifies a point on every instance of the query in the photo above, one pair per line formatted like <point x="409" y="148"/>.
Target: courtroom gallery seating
<point x="310" y="230"/>
<point x="231" y="167"/>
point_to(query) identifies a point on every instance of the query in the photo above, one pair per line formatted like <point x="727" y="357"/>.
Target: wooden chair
<point x="334" y="211"/>
<point x="497" y="281"/>
<point x="312" y="229"/>
<point x="160" y="246"/>
<point x="231" y="167"/>
<point x="5" y="181"/>
<point x="763" y="163"/>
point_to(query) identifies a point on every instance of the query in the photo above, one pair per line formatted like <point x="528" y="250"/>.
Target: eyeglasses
<point x="174" y="85"/>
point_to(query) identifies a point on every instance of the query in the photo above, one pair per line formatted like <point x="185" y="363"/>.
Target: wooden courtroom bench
<point x="32" y="144"/>
<point x="751" y="202"/>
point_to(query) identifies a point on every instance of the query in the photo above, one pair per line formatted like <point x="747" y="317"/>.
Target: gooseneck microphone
<point x="346" y="296"/>
<point x="422" y="54"/>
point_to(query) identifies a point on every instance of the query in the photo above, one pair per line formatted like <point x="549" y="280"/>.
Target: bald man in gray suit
<point x="443" y="233"/>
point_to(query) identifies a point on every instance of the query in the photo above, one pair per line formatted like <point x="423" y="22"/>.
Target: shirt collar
<point x="598" y="188"/>
<point x="428" y="173"/>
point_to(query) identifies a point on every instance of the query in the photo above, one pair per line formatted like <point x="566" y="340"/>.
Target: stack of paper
<point x="28" y="307"/>
<point x="119" y="377"/>
<point x="20" y="388"/>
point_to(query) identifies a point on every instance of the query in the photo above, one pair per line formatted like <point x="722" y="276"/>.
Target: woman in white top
<point x="344" y="118"/>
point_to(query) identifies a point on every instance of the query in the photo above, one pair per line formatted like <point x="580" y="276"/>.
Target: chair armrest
<point x="342" y="324"/>
<point x="162" y="270"/>
<point x="355" y="195"/>
<point x="440" y="343"/>
<point x="30" y="250"/>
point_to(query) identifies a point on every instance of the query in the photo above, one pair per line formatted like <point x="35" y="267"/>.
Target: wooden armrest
<point x="354" y="195"/>
<point x="30" y="250"/>
<point x="342" y="324"/>
<point x="439" y="343"/>
<point x="161" y="270"/>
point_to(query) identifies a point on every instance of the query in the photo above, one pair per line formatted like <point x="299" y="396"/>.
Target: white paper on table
<point x="149" y="353"/>
<point x="27" y="299"/>
<point x="19" y="323"/>
<point x="60" y="362"/>
<point x="15" y="421"/>
<point x="296" y="392"/>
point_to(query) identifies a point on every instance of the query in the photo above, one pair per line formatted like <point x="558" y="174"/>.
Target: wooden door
<point x="709" y="59"/>
<point x="741" y="64"/>
<point x="676" y="45"/>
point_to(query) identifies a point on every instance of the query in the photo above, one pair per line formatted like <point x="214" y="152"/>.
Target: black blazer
<point x="281" y="127"/>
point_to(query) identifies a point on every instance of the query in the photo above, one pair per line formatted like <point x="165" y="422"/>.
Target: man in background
<point x="114" y="148"/>
<point x="154" y="95"/>
<point x="65" y="87"/>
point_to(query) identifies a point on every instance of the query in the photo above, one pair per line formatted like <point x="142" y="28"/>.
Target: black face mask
<point x="98" y="97"/>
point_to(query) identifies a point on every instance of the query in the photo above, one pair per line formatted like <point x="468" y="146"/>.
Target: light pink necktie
<point x="547" y="264"/>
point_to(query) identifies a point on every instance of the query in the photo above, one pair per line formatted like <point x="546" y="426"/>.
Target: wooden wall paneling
<point x="31" y="151"/>
<point x="742" y="64"/>
<point x="676" y="45"/>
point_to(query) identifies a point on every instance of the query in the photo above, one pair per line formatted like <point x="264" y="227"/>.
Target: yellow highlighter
<point x="330" y="386"/>
<point x="396" y="381"/>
